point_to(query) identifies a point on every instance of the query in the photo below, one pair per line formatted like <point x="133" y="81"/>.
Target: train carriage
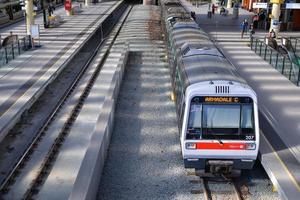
<point x="181" y="36"/>
<point x="216" y="109"/>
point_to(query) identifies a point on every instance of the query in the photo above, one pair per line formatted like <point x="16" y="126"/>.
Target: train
<point x="216" y="109"/>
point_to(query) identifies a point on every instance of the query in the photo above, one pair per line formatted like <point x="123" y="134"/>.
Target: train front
<point x="220" y="132"/>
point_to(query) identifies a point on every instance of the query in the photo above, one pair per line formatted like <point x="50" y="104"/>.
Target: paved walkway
<point x="228" y="24"/>
<point x="278" y="100"/>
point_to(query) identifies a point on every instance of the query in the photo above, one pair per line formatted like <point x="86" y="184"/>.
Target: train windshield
<point x="226" y="121"/>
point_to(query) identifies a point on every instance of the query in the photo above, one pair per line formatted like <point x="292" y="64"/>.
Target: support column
<point x="148" y="2"/>
<point x="229" y="3"/>
<point x="29" y="15"/>
<point x="275" y="16"/>
<point x="250" y="4"/>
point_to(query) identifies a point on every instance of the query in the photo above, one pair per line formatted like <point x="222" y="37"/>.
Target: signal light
<point x="190" y="145"/>
<point x="250" y="146"/>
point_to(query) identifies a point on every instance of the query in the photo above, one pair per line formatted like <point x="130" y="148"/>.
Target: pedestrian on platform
<point x="255" y="19"/>
<point x="272" y="34"/>
<point x="193" y="15"/>
<point x="261" y="19"/>
<point x="51" y="8"/>
<point x="213" y="9"/>
<point x="244" y="27"/>
<point x="50" y="11"/>
<point x="222" y="11"/>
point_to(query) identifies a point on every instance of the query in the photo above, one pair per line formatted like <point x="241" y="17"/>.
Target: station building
<point x="289" y="12"/>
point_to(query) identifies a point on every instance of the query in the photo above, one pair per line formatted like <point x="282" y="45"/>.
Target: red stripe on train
<point x="224" y="146"/>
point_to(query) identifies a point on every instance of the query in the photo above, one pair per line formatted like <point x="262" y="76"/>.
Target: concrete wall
<point x="87" y="182"/>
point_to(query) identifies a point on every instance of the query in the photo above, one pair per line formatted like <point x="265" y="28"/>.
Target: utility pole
<point x="148" y="2"/>
<point x="275" y="25"/>
<point x="29" y="15"/>
<point x="229" y="4"/>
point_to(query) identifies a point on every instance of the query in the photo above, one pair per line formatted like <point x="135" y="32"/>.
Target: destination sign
<point x="260" y="5"/>
<point x="220" y="99"/>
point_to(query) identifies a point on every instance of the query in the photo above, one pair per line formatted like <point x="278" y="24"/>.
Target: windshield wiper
<point x="214" y="137"/>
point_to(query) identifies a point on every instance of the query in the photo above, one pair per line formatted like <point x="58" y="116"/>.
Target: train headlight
<point x="190" y="145"/>
<point x="250" y="146"/>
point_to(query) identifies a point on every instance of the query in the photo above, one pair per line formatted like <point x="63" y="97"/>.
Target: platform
<point x="278" y="100"/>
<point x="144" y="159"/>
<point x="25" y="78"/>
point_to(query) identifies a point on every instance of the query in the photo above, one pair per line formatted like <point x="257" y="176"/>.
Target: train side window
<point x="179" y="91"/>
<point x="177" y="81"/>
<point x="247" y="120"/>
<point x="194" y="129"/>
<point x="181" y="115"/>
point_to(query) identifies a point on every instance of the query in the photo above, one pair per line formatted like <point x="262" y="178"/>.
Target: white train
<point x="217" y="110"/>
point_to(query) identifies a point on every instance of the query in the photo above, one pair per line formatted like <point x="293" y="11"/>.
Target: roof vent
<point x="222" y="89"/>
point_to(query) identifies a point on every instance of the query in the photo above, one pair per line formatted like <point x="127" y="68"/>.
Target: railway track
<point x="60" y="120"/>
<point x="210" y="194"/>
<point x="216" y="187"/>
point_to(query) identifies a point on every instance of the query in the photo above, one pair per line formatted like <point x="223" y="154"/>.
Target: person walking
<point x="255" y="19"/>
<point x="213" y="9"/>
<point x="244" y="27"/>
<point x="51" y="8"/>
<point x="251" y="31"/>
<point x="272" y="34"/>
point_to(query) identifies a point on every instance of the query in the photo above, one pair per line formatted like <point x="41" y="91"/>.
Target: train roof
<point x="192" y="36"/>
<point x="201" y="68"/>
<point x="173" y="18"/>
<point x="190" y="31"/>
<point x="185" y="24"/>
<point x="174" y="9"/>
<point x="172" y="2"/>
<point x="196" y="48"/>
<point x="176" y="17"/>
<point x="182" y="18"/>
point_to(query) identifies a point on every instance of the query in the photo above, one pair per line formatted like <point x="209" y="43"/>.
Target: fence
<point x="296" y="44"/>
<point x="279" y="61"/>
<point x="11" y="51"/>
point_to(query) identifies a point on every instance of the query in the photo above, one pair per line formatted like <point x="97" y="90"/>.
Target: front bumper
<point x="201" y="164"/>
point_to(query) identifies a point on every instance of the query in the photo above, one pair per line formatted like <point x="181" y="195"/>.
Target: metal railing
<point x="296" y="44"/>
<point x="279" y="61"/>
<point x="11" y="51"/>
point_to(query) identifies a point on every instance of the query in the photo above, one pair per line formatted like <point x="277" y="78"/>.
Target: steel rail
<point x="207" y="192"/>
